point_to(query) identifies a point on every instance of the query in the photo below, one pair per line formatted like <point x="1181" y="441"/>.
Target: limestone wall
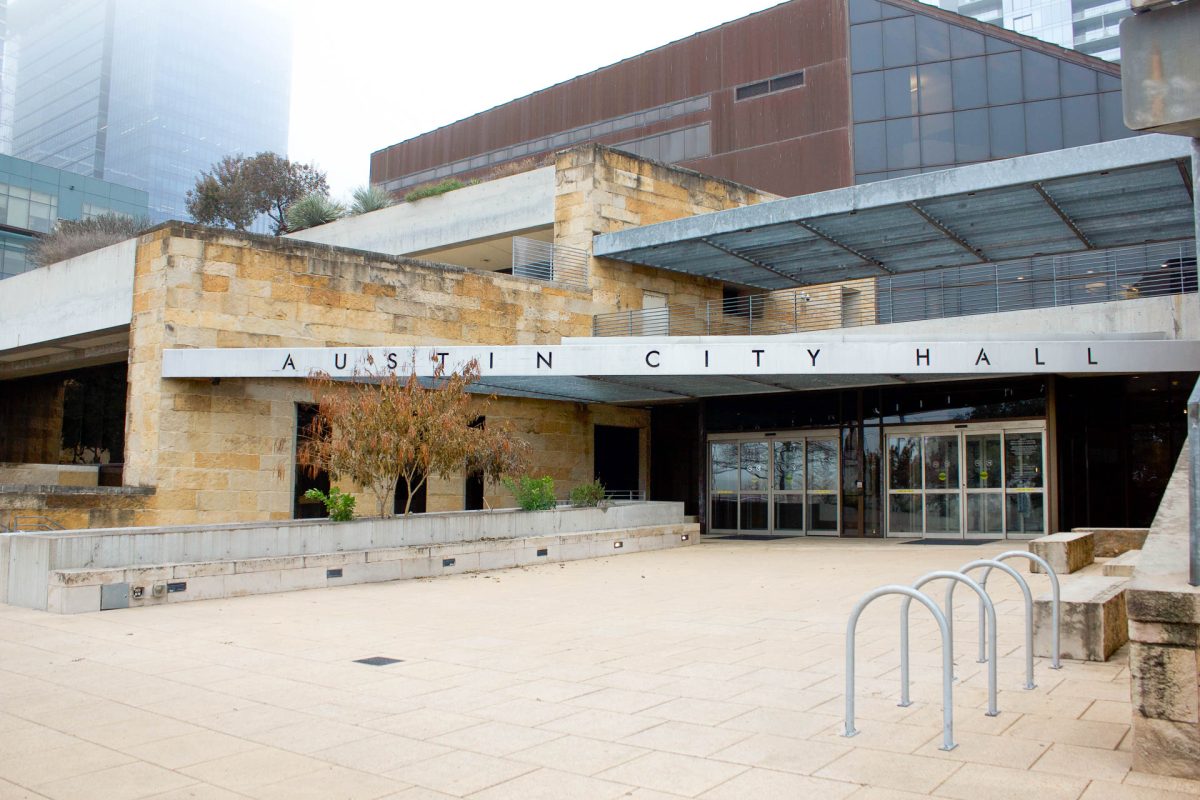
<point x="74" y="507"/>
<point x="601" y="190"/>
<point x="1164" y="642"/>
<point x="226" y="451"/>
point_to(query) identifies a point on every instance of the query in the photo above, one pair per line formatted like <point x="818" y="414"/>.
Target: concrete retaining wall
<point x="28" y="559"/>
<point x="77" y="591"/>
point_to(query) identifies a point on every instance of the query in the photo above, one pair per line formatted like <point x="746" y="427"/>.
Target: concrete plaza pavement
<point x="712" y="671"/>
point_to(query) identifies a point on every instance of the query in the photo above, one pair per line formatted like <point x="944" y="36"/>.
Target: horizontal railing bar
<point x="1040" y="282"/>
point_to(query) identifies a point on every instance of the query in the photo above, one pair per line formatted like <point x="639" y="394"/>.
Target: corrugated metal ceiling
<point x="1106" y="195"/>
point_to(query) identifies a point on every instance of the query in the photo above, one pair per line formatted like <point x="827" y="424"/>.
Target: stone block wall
<point x="73" y="507"/>
<point x="1164" y="634"/>
<point x="226" y="451"/>
<point x="601" y="190"/>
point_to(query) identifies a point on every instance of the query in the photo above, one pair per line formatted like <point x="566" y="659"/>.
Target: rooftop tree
<point x="381" y="429"/>
<point x="237" y="189"/>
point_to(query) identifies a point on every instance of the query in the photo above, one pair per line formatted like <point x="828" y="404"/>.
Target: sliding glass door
<point x="971" y="482"/>
<point x="775" y="484"/>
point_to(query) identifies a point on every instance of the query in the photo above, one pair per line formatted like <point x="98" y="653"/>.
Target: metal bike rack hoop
<point x="947" y="657"/>
<point x="987" y="619"/>
<point x="1056" y="614"/>
<point x="986" y="562"/>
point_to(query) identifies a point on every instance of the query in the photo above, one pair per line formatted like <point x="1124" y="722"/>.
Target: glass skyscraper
<point x="146" y="93"/>
<point x="34" y="197"/>
<point x="1089" y="26"/>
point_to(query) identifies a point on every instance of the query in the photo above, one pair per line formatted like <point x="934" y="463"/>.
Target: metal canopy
<point x="1104" y="195"/>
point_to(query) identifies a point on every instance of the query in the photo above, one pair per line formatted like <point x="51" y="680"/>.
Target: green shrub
<point x="338" y="504"/>
<point x="370" y="198"/>
<point x="533" y="494"/>
<point x="313" y="210"/>
<point x="587" y="495"/>
<point x="429" y="190"/>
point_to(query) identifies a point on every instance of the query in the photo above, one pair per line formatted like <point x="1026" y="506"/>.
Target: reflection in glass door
<point x="984" y="484"/>
<point x="776" y="486"/>
<point x="1024" y="483"/>
<point x="906" y="499"/>
<point x="752" y="510"/>
<point x="788" y="486"/>
<point x="822" y="486"/>
<point x="943" y="516"/>
<point x="978" y="483"/>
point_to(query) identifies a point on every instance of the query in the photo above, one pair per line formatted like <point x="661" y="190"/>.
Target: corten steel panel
<point x="794" y="167"/>
<point x="803" y="34"/>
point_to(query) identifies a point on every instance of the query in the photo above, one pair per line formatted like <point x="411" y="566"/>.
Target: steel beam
<point x="815" y="231"/>
<point x="760" y="264"/>
<point x="954" y="237"/>
<point x="1057" y="209"/>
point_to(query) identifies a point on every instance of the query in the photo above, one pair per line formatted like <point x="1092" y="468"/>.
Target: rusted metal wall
<point x="789" y="142"/>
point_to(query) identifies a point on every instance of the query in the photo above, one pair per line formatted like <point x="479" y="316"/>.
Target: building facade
<point x="148" y="95"/>
<point x="806" y="96"/>
<point x="1089" y="26"/>
<point x="34" y="197"/>
<point x="825" y="405"/>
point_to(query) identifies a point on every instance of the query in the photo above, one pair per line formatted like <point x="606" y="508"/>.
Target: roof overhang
<point x="1104" y="195"/>
<point x="673" y="369"/>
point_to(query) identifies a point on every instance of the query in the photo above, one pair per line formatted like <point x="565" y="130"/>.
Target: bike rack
<point x="987" y="618"/>
<point x="947" y="656"/>
<point x="983" y="562"/>
<point x="1055" y="661"/>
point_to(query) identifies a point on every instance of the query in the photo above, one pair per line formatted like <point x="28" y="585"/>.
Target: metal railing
<point x="13" y="522"/>
<point x="544" y="261"/>
<point x="1093" y="276"/>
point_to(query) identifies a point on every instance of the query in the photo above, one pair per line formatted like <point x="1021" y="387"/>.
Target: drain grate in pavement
<point x="378" y="661"/>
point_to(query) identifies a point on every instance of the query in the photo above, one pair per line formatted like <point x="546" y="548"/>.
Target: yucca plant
<point x="312" y="210"/>
<point x="370" y="198"/>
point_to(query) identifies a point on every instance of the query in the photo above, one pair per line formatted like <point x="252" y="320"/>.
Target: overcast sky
<point x="370" y="73"/>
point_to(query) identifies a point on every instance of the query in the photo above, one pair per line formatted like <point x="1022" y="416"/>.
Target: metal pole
<point x="1194" y="407"/>
<point x="1193" y="441"/>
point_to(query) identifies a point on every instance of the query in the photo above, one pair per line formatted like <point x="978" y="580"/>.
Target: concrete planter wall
<point x="28" y="559"/>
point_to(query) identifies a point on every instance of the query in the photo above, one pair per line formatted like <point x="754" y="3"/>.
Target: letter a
<point x="982" y="358"/>
<point x="288" y="363"/>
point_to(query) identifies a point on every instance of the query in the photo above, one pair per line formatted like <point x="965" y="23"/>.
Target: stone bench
<point x="1112" y="542"/>
<point x="1065" y="552"/>
<point x="1094" y="624"/>
<point x="1123" y="565"/>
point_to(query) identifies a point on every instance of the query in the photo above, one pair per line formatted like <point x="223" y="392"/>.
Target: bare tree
<point x="379" y="430"/>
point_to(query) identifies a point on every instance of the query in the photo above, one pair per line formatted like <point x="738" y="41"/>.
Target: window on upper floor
<point x="776" y="84"/>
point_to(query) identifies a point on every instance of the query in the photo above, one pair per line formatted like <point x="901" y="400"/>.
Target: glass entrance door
<point x="981" y="484"/>
<point x="985" y="486"/>
<point x="783" y="486"/>
<point x="943" y="510"/>
<point x="822" y="486"/>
